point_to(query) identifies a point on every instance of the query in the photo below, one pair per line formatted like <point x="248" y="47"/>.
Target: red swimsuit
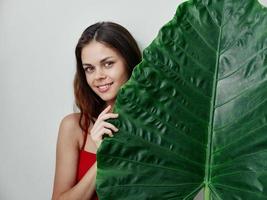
<point x="86" y="160"/>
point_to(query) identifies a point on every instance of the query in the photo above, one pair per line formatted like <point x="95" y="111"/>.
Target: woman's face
<point x="105" y="70"/>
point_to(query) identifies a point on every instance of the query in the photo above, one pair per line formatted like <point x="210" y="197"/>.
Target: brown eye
<point x="89" y="69"/>
<point x="109" y="64"/>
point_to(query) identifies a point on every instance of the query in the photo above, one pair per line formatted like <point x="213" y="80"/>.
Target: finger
<point x="108" y="115"/>
<point x="110" y="126"/>
<point x="103" y="117"/>
<point x="101" y="132"/>
<point x="98" y="130"/>
<point x="105" y="131"/>
<point x="105" y="110"/>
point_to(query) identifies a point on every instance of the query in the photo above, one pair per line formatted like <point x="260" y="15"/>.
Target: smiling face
<point x="105" y="70"/>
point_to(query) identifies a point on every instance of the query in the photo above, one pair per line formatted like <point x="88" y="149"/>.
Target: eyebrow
<point x="101" y="61"/>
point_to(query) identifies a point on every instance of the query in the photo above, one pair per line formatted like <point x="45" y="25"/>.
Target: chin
<point x="107" y="97"/>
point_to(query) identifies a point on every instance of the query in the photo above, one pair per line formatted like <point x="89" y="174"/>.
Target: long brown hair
<point x="118" y="38"/>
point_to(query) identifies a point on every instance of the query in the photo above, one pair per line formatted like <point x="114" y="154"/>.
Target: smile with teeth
<point x="104" y="88"/>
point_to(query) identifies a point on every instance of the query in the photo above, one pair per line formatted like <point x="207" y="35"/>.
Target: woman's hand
<point x="102" y="127"/>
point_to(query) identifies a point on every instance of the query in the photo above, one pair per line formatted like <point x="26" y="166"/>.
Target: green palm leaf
<point x="194" y="113"/>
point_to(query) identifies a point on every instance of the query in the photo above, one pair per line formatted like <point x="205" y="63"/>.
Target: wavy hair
<point x="116" y="37"/>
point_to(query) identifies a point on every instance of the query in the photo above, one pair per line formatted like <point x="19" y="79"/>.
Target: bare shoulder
<point x="69" y="128"/>
<point x="70" y="121"/>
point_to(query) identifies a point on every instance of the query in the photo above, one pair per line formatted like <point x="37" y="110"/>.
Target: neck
<point x="110" y="103"/>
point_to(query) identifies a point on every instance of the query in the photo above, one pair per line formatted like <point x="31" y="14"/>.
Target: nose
<point x="99" y="74"/>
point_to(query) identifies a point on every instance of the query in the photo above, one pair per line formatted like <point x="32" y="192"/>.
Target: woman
<point x="105" y="54"/>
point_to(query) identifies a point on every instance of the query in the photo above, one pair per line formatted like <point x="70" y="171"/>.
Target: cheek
<point x="88" y="80"/>
<point x="125" y="75"/>
<point x="122" y="74"/>
<point x="123" y="79"/>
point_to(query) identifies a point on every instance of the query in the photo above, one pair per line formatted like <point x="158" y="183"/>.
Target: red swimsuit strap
<point x="86" y="131"/>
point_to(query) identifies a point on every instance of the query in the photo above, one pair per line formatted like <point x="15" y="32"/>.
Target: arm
<point x="67" y="156"/>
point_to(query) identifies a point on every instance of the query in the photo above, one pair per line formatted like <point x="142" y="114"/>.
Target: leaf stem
<point x="207" y="192"/>
<point x="209" y="150"/>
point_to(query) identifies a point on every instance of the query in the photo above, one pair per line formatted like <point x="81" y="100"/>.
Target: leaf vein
<point x="242" y="65"/>
<point x="153" y="166"/>
<point x="201" y="36"/>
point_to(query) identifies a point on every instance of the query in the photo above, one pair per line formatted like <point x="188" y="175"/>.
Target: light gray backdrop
<point x="37" y="40"/>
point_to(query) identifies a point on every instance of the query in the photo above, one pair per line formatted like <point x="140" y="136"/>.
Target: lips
<point x="104" y="87"/>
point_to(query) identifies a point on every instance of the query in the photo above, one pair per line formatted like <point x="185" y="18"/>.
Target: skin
<point x="102" y="65"/>
<point x="100" y="73"/>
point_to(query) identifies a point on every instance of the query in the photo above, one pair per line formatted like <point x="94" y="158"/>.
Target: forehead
<point x="96" y="51"/>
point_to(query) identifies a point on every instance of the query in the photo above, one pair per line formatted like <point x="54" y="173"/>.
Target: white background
<point x="37" y="63"/>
